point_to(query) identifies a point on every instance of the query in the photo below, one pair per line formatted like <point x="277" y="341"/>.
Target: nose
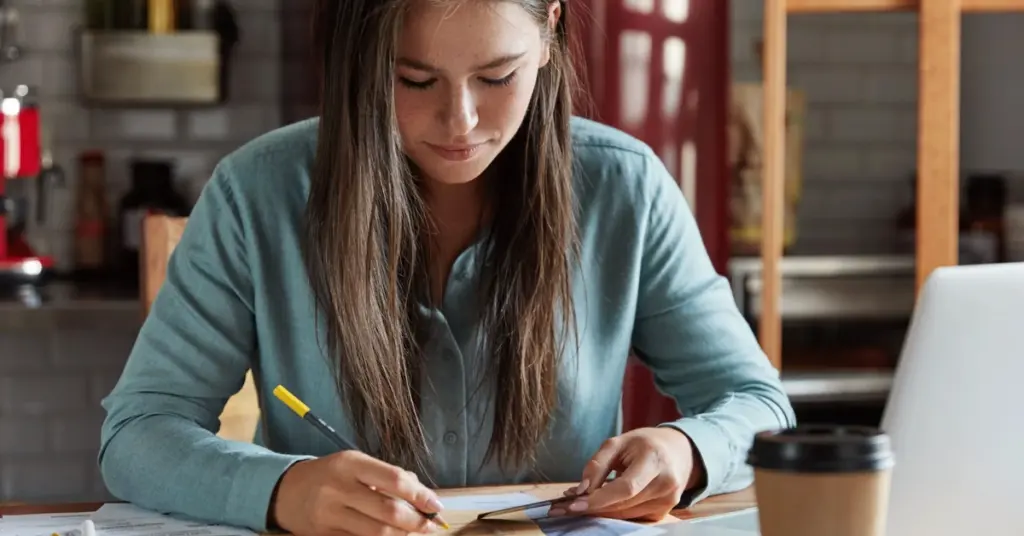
<point x="460" y="116"/>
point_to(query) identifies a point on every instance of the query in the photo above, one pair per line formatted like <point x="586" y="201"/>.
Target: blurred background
<point x="116" y="109"/>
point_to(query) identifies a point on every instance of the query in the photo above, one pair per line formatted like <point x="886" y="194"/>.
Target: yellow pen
<point x="302" y="410"/>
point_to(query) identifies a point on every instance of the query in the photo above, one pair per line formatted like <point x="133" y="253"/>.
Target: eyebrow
<point x="493" y="64"/>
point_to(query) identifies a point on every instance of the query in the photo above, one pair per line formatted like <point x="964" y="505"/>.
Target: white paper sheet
<point x="122" y="519"/>
<point x="42" y="524"/>
<point x="740" y="523"/>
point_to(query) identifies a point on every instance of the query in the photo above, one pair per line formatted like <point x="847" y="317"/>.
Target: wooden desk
<point x="721" y="504"/>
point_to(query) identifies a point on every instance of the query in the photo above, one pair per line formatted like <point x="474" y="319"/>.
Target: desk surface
<point x="721" y="504"/>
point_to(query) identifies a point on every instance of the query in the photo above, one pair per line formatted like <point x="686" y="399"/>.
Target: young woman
<point x="451" y="271"/>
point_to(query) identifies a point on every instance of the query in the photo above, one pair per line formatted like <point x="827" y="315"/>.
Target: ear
<point x="554" y="13"/>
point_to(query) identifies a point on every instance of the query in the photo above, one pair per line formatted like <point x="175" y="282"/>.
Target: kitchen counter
<point x="69" y="305"/>
<point x="835" y="386"/>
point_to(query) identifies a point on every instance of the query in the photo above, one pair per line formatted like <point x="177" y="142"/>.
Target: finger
<point x="600" y="465"/>
<point x="338" y="532"/>
<point x="629" y="484"/>
<point x="663" y="488"/>
<point x="360" y="524"/>
<point x="652" y="510"/>
<point x="648" y="494"/>
<point x="387" y="510"/>
<point x="398" y="483"/>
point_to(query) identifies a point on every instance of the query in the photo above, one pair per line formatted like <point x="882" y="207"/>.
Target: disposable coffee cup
<point x="822" y="481"/>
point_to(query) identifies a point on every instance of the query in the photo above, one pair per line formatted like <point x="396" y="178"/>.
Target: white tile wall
<point x="860" y="75"/>
<point x="53" y="376"/>
<point x="201" y="138"/>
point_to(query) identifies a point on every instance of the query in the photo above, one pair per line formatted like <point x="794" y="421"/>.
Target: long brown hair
<point x="367" y="257"/>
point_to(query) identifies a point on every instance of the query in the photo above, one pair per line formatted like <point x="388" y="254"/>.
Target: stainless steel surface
<point x="838" y="287"/>
<point x="837" y="386"/>
<point x="819" y="291"/>
<point x="67" y="295"/>
<point x="829" y="265"/>
<point x="842" y="297"/>
<point x="61" y="305"/>
<point x="141" y="68"/>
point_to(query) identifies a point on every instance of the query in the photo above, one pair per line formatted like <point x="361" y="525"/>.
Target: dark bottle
<point x="99" y="14"/>
<point x="131" y="15"/>
<point x="152" y="192"/>
<point x="982" y="228"/>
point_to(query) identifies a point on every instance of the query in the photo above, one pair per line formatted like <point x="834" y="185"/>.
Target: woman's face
<point x="464" y="79"/>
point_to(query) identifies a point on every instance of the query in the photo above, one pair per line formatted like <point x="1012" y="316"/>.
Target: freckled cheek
<point x="502" y="108"/>
<point x="414" y="113"/>
<point x="516" y="100"/>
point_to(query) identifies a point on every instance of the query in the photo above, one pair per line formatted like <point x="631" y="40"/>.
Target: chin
<point x="453" y="172"/>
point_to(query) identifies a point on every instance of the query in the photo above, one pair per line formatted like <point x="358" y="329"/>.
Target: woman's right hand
<point x="352" y="493"/>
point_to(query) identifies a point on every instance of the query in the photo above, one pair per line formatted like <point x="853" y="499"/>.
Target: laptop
<point x="955" y="414"/>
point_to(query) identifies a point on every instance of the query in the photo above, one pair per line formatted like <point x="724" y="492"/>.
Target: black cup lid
<point x="821" y="449"/>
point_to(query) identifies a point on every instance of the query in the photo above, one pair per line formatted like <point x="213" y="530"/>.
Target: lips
<point x="456" y="153"/>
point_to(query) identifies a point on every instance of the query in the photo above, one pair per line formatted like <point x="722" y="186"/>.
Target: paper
<point x="461" y="512"/>
<point x="42" y="524"/>
<point x="123" y="519"/>
<point x="740" y="523"/>
<point x="745" y="519"/>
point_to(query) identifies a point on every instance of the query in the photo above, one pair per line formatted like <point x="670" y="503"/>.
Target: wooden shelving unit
<point x="938" y="152"/>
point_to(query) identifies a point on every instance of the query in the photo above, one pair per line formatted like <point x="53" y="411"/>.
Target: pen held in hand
<point x="302" y="410"/>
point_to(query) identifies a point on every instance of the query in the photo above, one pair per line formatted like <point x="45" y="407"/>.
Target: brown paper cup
<point x="822" y="480"/>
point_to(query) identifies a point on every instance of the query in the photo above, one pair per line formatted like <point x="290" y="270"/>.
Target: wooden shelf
<point x="938" y="149"/>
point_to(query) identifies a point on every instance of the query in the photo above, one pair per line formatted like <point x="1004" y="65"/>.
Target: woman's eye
<point x="413" y="84"/>
<point x="500" y="81"/>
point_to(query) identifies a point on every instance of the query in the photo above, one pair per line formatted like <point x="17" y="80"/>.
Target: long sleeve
<point x="702" y="353"/>
<point x="158" y="444"/>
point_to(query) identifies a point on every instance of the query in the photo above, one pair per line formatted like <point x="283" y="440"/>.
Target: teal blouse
<point x="236" y="297"/>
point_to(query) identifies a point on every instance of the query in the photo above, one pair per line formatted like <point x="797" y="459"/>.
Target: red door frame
<point x="702" y="119"/>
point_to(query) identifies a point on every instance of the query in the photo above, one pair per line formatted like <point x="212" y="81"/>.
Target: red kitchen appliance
<point x="659" y="70"/>
<point x="20" y="160"/>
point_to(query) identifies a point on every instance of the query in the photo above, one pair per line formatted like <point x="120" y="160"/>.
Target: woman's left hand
<point x="654" y="466"/>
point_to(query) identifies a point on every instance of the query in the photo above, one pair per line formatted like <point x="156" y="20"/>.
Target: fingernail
<point x="583" y="486"/>
<point x="556" y="512"/>
<point x="578" y="506"/>
<point x="434" y="505"/>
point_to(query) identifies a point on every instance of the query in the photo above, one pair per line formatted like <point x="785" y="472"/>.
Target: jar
<point x="90" y="212"/>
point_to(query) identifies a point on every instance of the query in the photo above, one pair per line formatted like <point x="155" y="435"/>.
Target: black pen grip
<point x="328" y="431"/>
